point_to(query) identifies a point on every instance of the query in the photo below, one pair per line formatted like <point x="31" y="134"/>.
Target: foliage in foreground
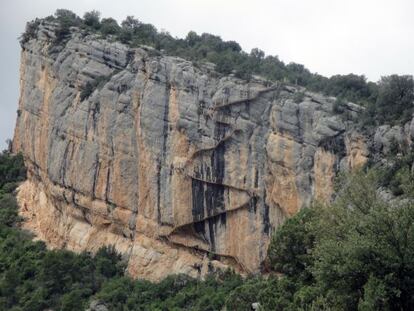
<point x="34" y="278"/>
<point x="357" y="254"/>
<point x="361" y="257"/>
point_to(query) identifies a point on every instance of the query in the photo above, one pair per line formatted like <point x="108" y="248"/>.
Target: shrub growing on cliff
<point x="92" y="19"/>
<point x="91" y="86"/>
<point x="66" y="19"/>
<point x="109" y="26"/>
<point x="394" y="103"/>
<point x="30" y="31"/>
<point x="227" y="55"/>
<point x="11" y="169"/>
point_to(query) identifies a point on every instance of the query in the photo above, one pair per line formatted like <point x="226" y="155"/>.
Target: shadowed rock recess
<point x="181" y="169"/>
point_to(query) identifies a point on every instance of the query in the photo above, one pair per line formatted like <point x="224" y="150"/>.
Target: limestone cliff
<point x="183" y="170"/>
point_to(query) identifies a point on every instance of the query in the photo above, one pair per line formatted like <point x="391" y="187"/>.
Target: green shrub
<point x="395" y="101"/>
<point x="109" y="26"/>
<point x="92" y="19"/>
<point x="91" y="86"/>
<point x="290" y="249"/>
<point x="298" y="97"/>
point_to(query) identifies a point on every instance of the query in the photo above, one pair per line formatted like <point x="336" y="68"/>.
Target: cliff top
<point x="207" y="50"/>
<point x="390" y="101"/>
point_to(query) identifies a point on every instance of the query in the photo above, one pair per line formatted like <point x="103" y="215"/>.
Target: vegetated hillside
<point x="355" y="254"/>
<point x="34" y="278"/>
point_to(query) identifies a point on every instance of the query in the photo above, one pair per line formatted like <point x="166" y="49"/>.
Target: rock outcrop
<point x="181" y="169"/>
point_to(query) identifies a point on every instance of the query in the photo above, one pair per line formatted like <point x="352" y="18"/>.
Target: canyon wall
<point x="183" y="170"/>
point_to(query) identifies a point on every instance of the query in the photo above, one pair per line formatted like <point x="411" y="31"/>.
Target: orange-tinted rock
<point x="172" y="164"/>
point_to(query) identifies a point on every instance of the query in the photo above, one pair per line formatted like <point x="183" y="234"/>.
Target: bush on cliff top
<point x="228" y="56"/>
<point x="389" y="101"/>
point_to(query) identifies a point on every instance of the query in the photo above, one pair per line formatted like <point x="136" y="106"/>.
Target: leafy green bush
<point x="65" y="19"/>
<point x="11" y="169"/>
<point x="356" y="254"/>
<point x="109" y="26"/>
<point x="242" y="297"/>
<point x="30" y="31"/>
<point x="92" y="19"/>
<point x="290" y="248"/>
<point x="91" y="86"/>
<point x="298" y="97"/>
<point x="395" y="101"/>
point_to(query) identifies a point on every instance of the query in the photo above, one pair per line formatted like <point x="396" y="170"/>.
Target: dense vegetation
<point x="356" y="254"/>
<point x="394" y="102"/>
<point x="34" y="278"/>
<point x="353" y="255"/>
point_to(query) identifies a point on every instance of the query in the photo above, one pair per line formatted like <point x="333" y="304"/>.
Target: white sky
<point x="371" y="37"/>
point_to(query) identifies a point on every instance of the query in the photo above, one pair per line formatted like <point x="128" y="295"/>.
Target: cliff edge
<point x="182" y="169"/>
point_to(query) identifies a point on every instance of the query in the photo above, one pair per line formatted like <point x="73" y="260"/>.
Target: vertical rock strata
<point x="183" y="170"/>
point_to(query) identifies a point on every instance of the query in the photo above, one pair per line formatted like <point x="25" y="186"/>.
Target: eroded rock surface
<point x="183" y="170"/>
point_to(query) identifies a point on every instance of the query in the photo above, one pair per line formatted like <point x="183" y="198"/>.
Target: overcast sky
<point x="371" y="37"/>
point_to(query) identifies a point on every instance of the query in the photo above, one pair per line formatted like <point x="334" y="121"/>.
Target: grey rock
<point x="97" y="305"/>
<point x="175" y="154"/>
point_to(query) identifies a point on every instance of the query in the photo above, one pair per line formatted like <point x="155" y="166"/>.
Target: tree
<point x="395" y="102"/>
<point x="67" y="16"/>
<point x="192" y="38"/>
<point x="242" y="297"/>
<point x="289" y="251"/>
<point x="30" y="31"/>
<point x="130" y="23"/>
<point x="92" y="19"/>
<point x="66" y="19"/>
<point x="257" y="53"/>
<point x="108" y="262"/>
<point x="364" y="242"/>
<point x="109" y="26"/>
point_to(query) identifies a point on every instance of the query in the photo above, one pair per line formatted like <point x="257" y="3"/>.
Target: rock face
<point x="183" y="170"/>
